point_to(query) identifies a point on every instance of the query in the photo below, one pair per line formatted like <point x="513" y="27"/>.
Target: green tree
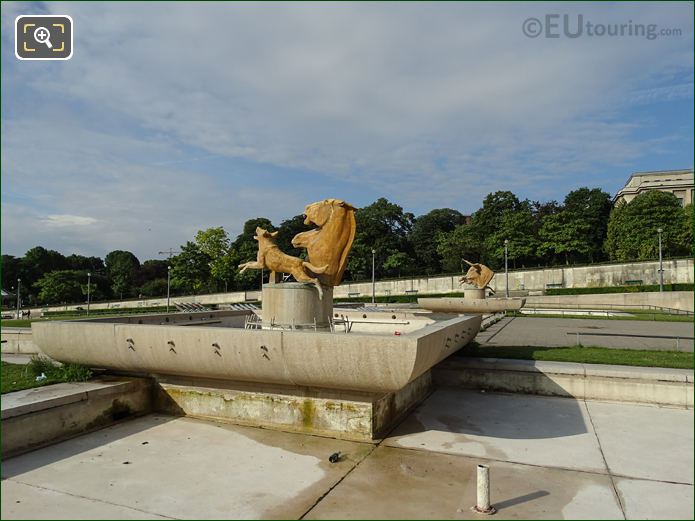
<point x="11" y="269"/>
<point x="423" y="237"/>
<point x="562" y="234"/>
<point x="398" y="263"/>
<point x="245" y="248"/>
<point x="122" y="268"/>
<point x="80" y="262"/>
<point x="504" y="217"/>
<point x="61" y="286"/>
<point x="214" y="242"/>
<point x="286" y="232"/>
<point x="190" y="269"/>
<point x="517" y="227"/>
<point x="632" y="227"/>
<point x="384" y="227"/>
<point x="38" y="261"/>
<point x="150" y="270"/>
<point x="154" y="288"/>
<point x="454" y="246"/>
<point x="588" y="210"/>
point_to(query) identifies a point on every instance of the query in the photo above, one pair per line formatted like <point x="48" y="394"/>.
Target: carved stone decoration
<point x="328" y="244"/>
<point x="478" y="275"/>
<point x="271" y="258"/>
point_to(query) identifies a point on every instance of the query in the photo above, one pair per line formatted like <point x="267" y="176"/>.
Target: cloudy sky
<point x="174" y="117"/>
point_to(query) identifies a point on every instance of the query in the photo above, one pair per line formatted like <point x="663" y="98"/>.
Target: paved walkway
<point x="549" y="458"/>
<point x="552" y="332"/>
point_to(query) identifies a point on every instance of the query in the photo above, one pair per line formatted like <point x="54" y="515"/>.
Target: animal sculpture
<point x="270" y="257"/>
<point x="330" y="242"/>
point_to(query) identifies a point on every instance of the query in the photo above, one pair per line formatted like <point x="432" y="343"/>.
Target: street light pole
<point x="168" y="285"/>
<point x="373" y="279"/>
<point x="89" y="286"/>
<point x="19" y="298"/>
<point x="506" y="271"/>
<point x="661" y="263"/>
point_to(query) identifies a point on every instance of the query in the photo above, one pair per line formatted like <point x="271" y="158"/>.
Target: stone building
<point x="678" y="182"/>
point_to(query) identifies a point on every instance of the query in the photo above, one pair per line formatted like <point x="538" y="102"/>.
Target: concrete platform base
<point x="345" y="415"/>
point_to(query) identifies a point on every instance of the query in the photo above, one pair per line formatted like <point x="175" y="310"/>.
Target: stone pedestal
<point x="296" y="305"/>
<point x="473" y="293"/>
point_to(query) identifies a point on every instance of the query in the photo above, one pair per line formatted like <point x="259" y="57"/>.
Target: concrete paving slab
<point x="186" y="468"/>
<point x="526" y="429"/>
<point x="16" y="358"/>
<point x="646" y="442"/>
<point x="406" y="484"/>
<point x="644" y="499"/>
<point x="22" y="501"/>
<point x="552" y="332"/>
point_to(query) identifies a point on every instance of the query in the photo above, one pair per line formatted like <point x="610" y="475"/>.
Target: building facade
<point x="678" y="182"/>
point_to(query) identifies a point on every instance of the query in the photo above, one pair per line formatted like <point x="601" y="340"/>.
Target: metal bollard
<point x="483" y="492"/>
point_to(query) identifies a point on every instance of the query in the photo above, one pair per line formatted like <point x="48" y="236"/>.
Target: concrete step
<point x="650" y="385"/>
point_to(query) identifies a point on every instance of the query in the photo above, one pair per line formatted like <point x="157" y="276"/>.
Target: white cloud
<point x="68" y="220"/>
<point x="429" y="105"/>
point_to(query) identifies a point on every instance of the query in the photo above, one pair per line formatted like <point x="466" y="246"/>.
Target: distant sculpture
<point x="271" y="258"/>
<point x="478" y="275"/>
<point x="329" y="244"/>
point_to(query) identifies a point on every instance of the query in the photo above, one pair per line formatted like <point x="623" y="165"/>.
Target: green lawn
<point x="638" y="315"/>
<point x="24" y="322"/>
<point x="584" y="355"/>
<point x="15" y="377"/>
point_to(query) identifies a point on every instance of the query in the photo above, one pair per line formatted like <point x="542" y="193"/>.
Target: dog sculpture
<point x="270" y="257"/>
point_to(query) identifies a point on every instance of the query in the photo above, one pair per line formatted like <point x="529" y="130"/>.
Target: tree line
<point x="584" y="228"/>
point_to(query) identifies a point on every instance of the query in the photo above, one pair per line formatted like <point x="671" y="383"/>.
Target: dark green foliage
<point x="539" y="233"/>
<point x="583" y="355"/>
<point x="618" y="289"/>
<point x="424" y="235"/>
<point x="122" y="267"/>
<point x="190" y="269"/>
<point x="61" y="286"/>
<point x="385" y="228"/>
<point x="632" y="228"/>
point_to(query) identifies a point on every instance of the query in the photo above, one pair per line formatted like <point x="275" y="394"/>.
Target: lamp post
<point x="168" y="285"/>
<point x="373" y="279"/>
<point x="661" y="263"/>
<point x="19" y="298"/>
<point x="506" y="271"/>
<point x="89" y="287"/>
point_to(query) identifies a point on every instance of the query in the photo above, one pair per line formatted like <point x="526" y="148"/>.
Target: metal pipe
<point x="89" y="285"/>
<point x="506" y="271"/>
<point x="482" y="504"/>
<point x="661" y="264"/>
<point x="373" y="279"/>
<point x="19" y="298"/>
<point x="168" y="286"/>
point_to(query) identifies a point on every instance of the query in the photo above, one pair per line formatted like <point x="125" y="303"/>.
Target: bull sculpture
<point x="478" y="275"/>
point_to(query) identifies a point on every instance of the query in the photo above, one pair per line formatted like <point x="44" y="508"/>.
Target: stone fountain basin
<point x="158" y="344"/>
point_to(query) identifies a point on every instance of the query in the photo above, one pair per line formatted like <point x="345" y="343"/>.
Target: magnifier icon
<point x="43" y="35"/>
